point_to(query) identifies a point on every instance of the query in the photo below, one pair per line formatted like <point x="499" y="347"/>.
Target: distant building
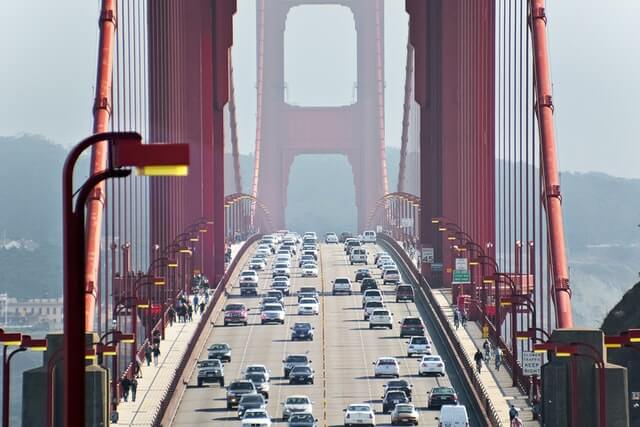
<point x="43" y="313"/>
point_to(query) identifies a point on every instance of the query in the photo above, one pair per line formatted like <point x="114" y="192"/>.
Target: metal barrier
<point x="464" y="362"/>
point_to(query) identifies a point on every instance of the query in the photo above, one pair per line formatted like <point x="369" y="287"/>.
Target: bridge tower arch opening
<point x="354" y="129"/>
<point x="321" y="196"/>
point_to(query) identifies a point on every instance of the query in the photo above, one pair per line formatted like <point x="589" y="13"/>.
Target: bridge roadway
<point x="342" y="354"/>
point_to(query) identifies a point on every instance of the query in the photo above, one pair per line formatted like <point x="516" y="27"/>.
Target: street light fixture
<point x="125" y="150"/>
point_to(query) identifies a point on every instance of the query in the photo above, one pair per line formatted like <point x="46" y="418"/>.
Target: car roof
<point x="442" y="390"/>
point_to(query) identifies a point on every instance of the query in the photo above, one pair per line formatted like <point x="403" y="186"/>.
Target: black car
<point x="301" y="375"/>
<point x="302" y="420"/>
<point x="401" y="385"/>
<point x="439" y="396"/>
<point x="344" y="236"/>
<point x="368" y="283"/>
<point x="236" y="390"/>
<point x="363" y="273"/>
<point x="391" y="399"/>
<point x="302" y="331"/>
<point x="251" y="401"/>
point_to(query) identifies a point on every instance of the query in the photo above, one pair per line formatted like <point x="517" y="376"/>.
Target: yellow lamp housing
<point x="172" y="265"/>
<point x="143" y="305"/>
<point x="613" y="345"/>
<point x="539" y="350"/>
<point x="563" y="354"/>
<point x="163" y="170"/>
<point x="442" y="229"/>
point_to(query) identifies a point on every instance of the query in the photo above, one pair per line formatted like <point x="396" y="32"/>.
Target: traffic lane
<point x="357" y="347"/>
<point x="256" y="343"/>
<point x="454" y="378"/>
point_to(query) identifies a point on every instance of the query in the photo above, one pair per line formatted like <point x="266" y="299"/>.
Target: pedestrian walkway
<point x="154" y="384"/>
<point x="498" y="384"/>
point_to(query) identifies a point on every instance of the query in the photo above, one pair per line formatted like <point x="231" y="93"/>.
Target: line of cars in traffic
<point x="250" y="394"/>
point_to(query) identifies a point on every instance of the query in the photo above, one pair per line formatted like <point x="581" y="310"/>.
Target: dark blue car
<point x="302" y="420"/>
<point x="302" y="331"/>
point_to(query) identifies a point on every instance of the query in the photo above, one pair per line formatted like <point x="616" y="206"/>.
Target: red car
<point x="236" y="313"/>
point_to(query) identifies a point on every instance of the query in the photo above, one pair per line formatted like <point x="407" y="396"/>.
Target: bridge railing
<point x="464" y="362"/>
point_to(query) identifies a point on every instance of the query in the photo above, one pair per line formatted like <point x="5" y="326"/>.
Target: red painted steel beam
<point x="406" y="114"/>
<point x="101" y="116"/>
<point x="549" y="163"/>
<point x="235" y="150"/>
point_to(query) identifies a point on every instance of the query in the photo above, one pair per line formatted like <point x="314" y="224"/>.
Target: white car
<point x="453" y="415"/>
<point x="359" y="414"/>
<point x="249" y="276"/>
<point x="386" y="366"/>
<point x="372" y="306"/>
<point x="372" y="295"/>
<point x="296" y="404"/>
<point x="331" y="238"/>
<point x="309" y="270"/>
<point x="272" y="313"/>
<point x="382" y="259"/>
<point x="381" y="319"/>
<point x="308" y="306"/>
<point x="281" y="269"/>
<point x="369" y="236"/>
<point x="358" y="255"/>
<point x="391" y="276"/>
<point x="341" y="285"/>
<point x="283" y="258"/>
<point x="258" y="369"/>
<point x="256" y="418"/>
<point x="257" y="264"/>
<point x="431" y="364"/>
<point x="418" y="345"/>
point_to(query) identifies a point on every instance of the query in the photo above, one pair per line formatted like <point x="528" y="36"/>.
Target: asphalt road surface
<point x="342" y="353"/>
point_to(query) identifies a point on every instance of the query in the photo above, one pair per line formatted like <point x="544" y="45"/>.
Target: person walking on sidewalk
<point x="514" y="415"/>
<point x="190" y="312"/>
<point x="147" y="354"/>
<point x="202" y="305"/>
<point x="478" y="359"/>
<point x="171" y="314"/>
<point x="125" y="383"/>
<point x="134" y="389"/>
<point x="156" y="355"/>
<point x="463" y="317"/>
<point x="456" y="318"/>
<point x="497" y="355"/>
<point x="195" y="301"/>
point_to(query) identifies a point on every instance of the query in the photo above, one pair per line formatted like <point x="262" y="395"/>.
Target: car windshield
<point x="213" y="363"/>
<point x="404" y="408"/>
<point x="380" y="313"/>
<point x="255" y="369"/>
<point x="282" y="266"/>
<point x="304" y="289"/>
<point x="431" y="359"/>
<point x="252" y="398"/>
<point x="301" y="370"/>
<point x="308" y="266"/>
<point x="297" y="400"/>
<point x="392" y="271"/>
<point x="302" y="326"/>
<point x="243" y="385"/>
<point x="256" y="378"/>
<point x="372" y="293"/>
<point x="234" y="307"/>
<point x="342" y="280"/>
<point x="398" y="384"/>
<point x="386" y="362"/>
<point x="217" y="347"/>
<point x="405" y="289"/>
<point x="359" y="408"/>
<point x="272" y="307"/>
<point x="248" y="273"/>
<point x="374" y="304"/>
<point x="255" y="414"/>
<point x="419" y="340"/>
<point x="308" y="301"/>
<point x="301" y="418"/>
<point x="297" y="359"/>
<point x="443" y="390"/>
<point x="274" y="294"/>
<point x="412" y="321"/>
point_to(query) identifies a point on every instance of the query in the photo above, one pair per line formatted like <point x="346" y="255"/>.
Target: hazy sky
<point x="49" y="60"/>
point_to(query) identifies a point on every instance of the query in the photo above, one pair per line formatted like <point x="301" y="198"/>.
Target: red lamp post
<point x="24" y="343"/>
<point x="125" y="149"/>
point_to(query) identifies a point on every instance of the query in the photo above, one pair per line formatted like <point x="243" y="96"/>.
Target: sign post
<point x="427" y="255"/>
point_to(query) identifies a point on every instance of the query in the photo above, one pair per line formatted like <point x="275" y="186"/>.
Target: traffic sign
<point x="531" y="363"/>
<point x="427" y="255"/>
<point x="378" y="229"/>
<point x="462" y="264"/>
<point x="461" y="277"/>
<point x="436" y="266"/>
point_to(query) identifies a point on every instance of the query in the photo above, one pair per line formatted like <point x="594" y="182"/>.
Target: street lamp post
<point x="24" y="343"/>
<point x="125" y="149"/>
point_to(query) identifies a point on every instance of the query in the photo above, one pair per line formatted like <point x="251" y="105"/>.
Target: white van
<point x="369" y="236"/>
<point x="453" y="416"/>
<point x="358" y="256"/>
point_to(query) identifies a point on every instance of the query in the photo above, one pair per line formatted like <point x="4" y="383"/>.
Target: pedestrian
<point x="206" y="295"/>
<point x="134" y="389"/>
<point x="147" y="354"/>
<point x="171" y="314"/>
<point x="201" y="308"/>
<point x="478" y="359"/>
<point x="195" y="300"/>
<point x="136" y="369"/>
<point x="156" y="355"/>
<point x="456" y="318"/>
<point x="487" y="350"/>
<point x="181" y="314"/>
<point x="513" y="413"/>
<point x="463" y="318"/>
<point x="125" y="383"/>
<point x="190" y="312"/>
<point x="156" y="338"/>
<point x="498" y="357"/>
